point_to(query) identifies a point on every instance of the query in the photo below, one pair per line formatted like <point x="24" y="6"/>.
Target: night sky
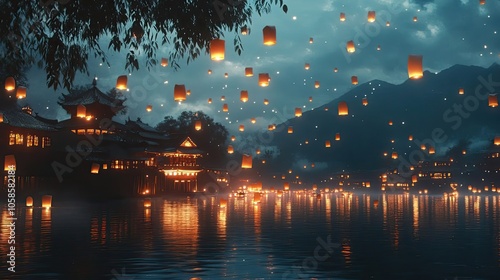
<point x="447" y="32"/>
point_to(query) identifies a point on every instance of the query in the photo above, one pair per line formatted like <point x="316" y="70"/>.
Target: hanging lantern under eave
<point x="337" y="136"/>
<point x="10" y="161"/>
<point x="342" y="16"/>
<point x="354" y="80"/>
<point x="249" y="72"/>
<point x="365" y="101"/>
<point x="46" y="201"/>
<point x="230" y="149"/>
<point x="10" y="84"/>
<point x="217" y="49"/>
<point x="350" y="47"/>
<point x="81" y="111"/>
<point x="492" y="101"/>
<point x="246" y="161"/>
<point x="244" y="96"/>
<point x="180" y="93"/>
<point x="394" y="155"/>
<point x="121" y="82"/>
<point x="371" y="16"/>
<point x="290" y="129"/>
<point x="269" y="33"/>
<point x="149" y="108"/>
<point x="415" y="68"/>
<point x="225" y="107"/>
<point x="164" y="62"/>
<point x="496" y="142"/>
<point x="197" y="125"/>
<point x="343" y="109"/>
<point x="21" y="92"/>
<point x="298" y="112"/>
<point x="264" y="79"/>
<point x="328" y="144"/>
<point x="94" y="169"/>
<point x="29" y="201"/>
<point x="242" y="128"/>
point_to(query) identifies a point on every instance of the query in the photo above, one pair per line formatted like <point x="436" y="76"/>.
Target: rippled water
<point x="297" y="235"/>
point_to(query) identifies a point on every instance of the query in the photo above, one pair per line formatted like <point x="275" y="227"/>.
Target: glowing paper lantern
<point x="81" y="111"/>
<point x="223" y="203"/>
<point x="147" y="202"/>
<point x="253" y="120"/>
<point x="371" y="16"/>
<point x="121" y="82"/>
<point x="257" y="151"/>
<point x="21" y="92"/>
<point x="230" y="149"/>
<point x="270" y="127"/>
<point x="298" y="112"/>
<point x="350" y="47"/>
<point x="222" y="98"/>
<point x="415" y="68"/>
<point x="394" y="155"/>
<point x="343" y="109"/>
<point x="492" y="100"/>
<point x="209" y="72"/>
<point x="226" y="75"/>
<point x="244" y="96"/>
<point x="328" y="144"/>
<point x="29" y="201"/>
<point x="364" y="101"/>
<point x="286" y="186"/>
<point x="316" y="84"/>
<point x="10" y="160"/>
<point x="1" y="117"/>
<point x="225" y="108"/>
<point x="482" y="2"/>
<point x="269" y="33"/>
<point x="197" y="125"/>
<point x="414" y="178"/>
<point x="310" y="99"/>
<point x="94" y="169"/>
<point x="342" y="16"/>
<point x="233" y="138"/>
<point x="390" y="122"/>
<point x="410" y="138"/>
<point x="246" y="161"/>
<point x="337" y="136"/>
<point x="149" y="108"/>
<point x="180" y="93"/>
<point x="432" y="150"/>
<point x="46" y="201"/>
<point x="311" y="40"/>
<point x="307" y="66"/>
<point x="188" y="92"/>
<point x="335" y="70"/>
<point x="249" y="72"/>
<point x="497" y="141"/>
<point x="264" y="79"/>
<point x="461" y="91"/>
<point x="210" y="101"/>
<point x="164" y="62"/>
<point x="244" y="30"/>
<point x="290" y="129"/>
<point x="242" y="127"/>
<point x="217" y="49"/>
<point x="415" y="19"/>
<point x="266" y="102"/>
<point x="10" y="83"/>
<point x="354" y="80"/>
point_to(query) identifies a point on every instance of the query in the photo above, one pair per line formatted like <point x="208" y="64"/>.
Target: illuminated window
<point x="45" y="142"/>
<point x="117" y="164"/>
<point x="81" y="131"/>
<point x="90" y="131"/>
<point x="19" y="139"/>
<point x="97" y="131"/>
<point x="29" y="140"/>
<point x="35" y="141"/>
<point x="74" y="131"/>
<point x="12" y="138"/>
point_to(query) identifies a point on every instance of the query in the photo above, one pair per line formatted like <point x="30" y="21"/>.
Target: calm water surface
<point x="296" y="235"/>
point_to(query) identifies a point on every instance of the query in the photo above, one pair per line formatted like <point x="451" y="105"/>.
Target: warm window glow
<point x="45" y="142"/>
<point x="12" y="139"/>
<point x="19" y="139"/>
<point x="35" y="141"/>
<point x="29" y="140"/>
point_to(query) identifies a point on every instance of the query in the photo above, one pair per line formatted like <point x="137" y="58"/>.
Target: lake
<point x="289" y="236"/>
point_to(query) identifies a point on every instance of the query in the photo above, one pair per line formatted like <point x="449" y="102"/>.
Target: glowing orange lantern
<point x="290" y="129"/>
<point x="249" y="72"/>
<point x="233" y="138"/>
<point x="387" y="23"/>
<point x="286" y="186"/>
<point x="266" y="102"/>
<point x="337" y="136"/>
<point x="415" y="19"/>
<point x="21" y="92"/>
<point x="121" y="82"/>
<point x="415" y="68"/>
<point x="316" y="84"/>
<point x="371" y="16"/>
<point x="46" y="201"/>
<point x="244" y="30"/>
<point x="343" y="109"/>
<point x="29" y="201"/>
<point x="210" y="101"/>
<point x="298" y="112"/>
<point x="342" y="16"/>
<point x="497" y="141"/>
<point x="307" y="66"/>
<point x="230" y="149"/>
<point x="242" y="127"/>
<point x="10" y="83"/>
<point x="414" y="178"/>
<point x="328" y="144"/>
<point x="335" y="69"/>
<point x="149" y="108"/>
<point x="10" y="161"/>
<point x="81" y="111"/>
<point x="147" y="202"/>
<point x="350" y="47"/>
<point x="1" y="117"/>
<point x="244" y="96"/>
<point x="197" y="125"/>
<point x="180" y="93"/>
<point x="269" y="35"/>
<point x="410" y="138"/>
<point x="209" y="72"/>
<point x="432" y="150"/>
<point x="264" y="79"/>
<point x="164" y="62"/>
<point x="217" y="49"/>
<point x="311" y="40"/>
<point x="365" y="101"/>
<point x="354" y="80"/>
<point x="253" y="120"/>
<point x="225" y="108"/>
<point x="246" y="161"/>
<point x="492" y="100"/>
<point x="94" y="169"/>
<point x="482" y="2"/>
<point x="394" y="155"/>
<point x="460" y="91"/>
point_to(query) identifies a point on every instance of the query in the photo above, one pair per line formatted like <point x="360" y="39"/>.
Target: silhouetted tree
<point x="60" y="35"/>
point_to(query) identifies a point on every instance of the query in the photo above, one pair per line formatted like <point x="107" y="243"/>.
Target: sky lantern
<point x="257" y="151"/>
<point x="10" y="83"/>
<point x="225" y="108"/>
<point x="342" y="108"/>
<point x="264" y="79"/>
<point x="209" y="72"/>
<point x="350" y="47"/>
<point x="164" y="62"/>
<point x="217" y="49"/>
<point x="414" y="178"/>
<point x="266" y="102"/>
<point x="423" y="147"/>
<point x="197" y="125"/>
<point x="328" y="144"/>
<point x="242" y="128"/>
<point x="290" y="129"/>
<point x="46" y="201"/>
<point x="410" y="137"/>
<point x="337" y="136"/>
<point x="94" y="169"/>
<point x="149" y="108"/>
<point x="9" y="160"/>
<point x="432" y="150"/>
<point x="298" y="112"/>
<point x="269" y="33"/>
<point x="222" y="98"/>
<point x="394" y="155"/>
<point x="29" y="201"/>
<point x="497" y="141"/>
<point x="210" y="101"/>
<point x="270" y="127"/>
<point x="310" y="99"/>
<point x="387" y="23"/>
<point x="316" y="84"/>
<point x="342" y="16"/>
<point x="311" y="40"/>
<point x="21" y="92"/>
<point x="226" y="75"/>
<point x="493" y="100"/>
<point x="307" y="66"/>
<point x="335" y="70"/>
<point x="415" y="68"/>
<point x="415" y="19"/>
<point x="1" y="117"/>
<point x="180" y="93"/>
<point x="461" y="91"/>
<point x="354" y="80"/>
<point x="253" y="120"/>
<point x="121" y="82"/>
<point x="81" y="111"/>
<point x="188" y="92"/>
<point x="233" y="138"/>
<point x="249" y="72"/>
<point x="246" y="161"/>
<point x="371" y="16"/>
<point x="244" y="96"/>
<point x="364" y="101"/>
<point x="244" y="30"/>
<point x="390" y="122"/>
<point x="482" y="2"/>
<point x="378" y="48"/>
<point x="286" y="186"/>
